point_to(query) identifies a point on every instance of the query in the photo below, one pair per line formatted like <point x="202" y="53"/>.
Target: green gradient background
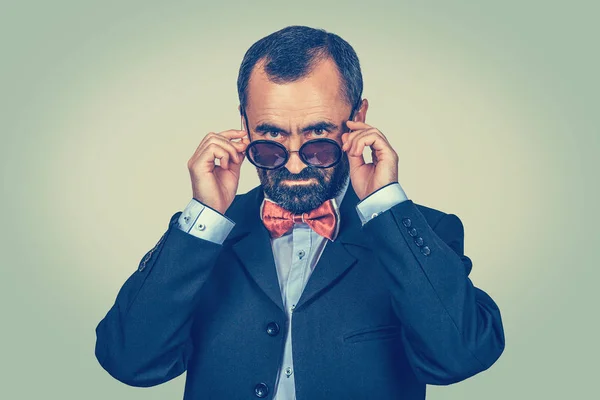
<point x="492" y="107"/>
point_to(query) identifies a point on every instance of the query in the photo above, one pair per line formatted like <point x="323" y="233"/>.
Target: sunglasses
<point x="319" y="153"/>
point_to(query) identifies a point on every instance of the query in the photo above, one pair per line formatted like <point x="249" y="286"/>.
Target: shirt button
<point x="374" y="215"/>
<point x="186" y="219"/>
<point x="200" y="227"/>
<point x="288" y="371"/>
<point x="301" y="254"/>
<point x="261" y="390"/>
<point x="272" y="329"/>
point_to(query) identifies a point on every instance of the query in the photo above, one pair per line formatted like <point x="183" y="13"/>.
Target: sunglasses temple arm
<point x="247" y="129"/>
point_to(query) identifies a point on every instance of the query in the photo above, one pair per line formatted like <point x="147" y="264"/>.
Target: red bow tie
<point x="324" y="219"/>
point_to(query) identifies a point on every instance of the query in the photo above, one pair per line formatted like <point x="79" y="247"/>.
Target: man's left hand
<point x="367" y="178"/>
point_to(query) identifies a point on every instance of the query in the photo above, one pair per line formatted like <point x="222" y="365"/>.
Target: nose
<point x="294" y="163"/>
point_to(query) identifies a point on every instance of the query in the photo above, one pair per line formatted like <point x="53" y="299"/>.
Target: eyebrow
<point x="268" y="127"/>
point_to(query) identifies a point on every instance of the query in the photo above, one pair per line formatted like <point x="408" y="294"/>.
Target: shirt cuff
<point x="201" y="221"/>
<point x="379" y="201"/>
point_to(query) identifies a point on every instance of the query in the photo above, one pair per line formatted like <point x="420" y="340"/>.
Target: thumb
<point x="236" y="167"/>
<point x="355" y="161"/>
<point x="345" y="137"/>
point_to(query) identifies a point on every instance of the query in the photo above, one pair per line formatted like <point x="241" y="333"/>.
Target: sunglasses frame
<point x="299" y="151"/>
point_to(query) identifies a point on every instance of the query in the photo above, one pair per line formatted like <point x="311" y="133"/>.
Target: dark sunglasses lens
<point x="266" y="155"/>
<point x="321" y="154"/>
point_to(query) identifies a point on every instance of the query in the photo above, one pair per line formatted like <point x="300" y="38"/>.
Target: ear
<point x="361" y="114"/>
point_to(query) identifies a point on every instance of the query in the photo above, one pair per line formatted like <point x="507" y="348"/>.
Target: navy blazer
<point x="388" y="309"/>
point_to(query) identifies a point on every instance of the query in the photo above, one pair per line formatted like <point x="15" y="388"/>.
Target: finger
<point x="355" y="135"/>
<point x="226" y="146"/>
<point x="355" y="161"/>
<point x="229" y="137"/>
<point x="237" y="138"/>
<point x="226" y="135"/>
<point x="239" y="146"/>
<point x="354" y="125"/>
<point x="232" y="133"/>
<point x="348" y="138"/>
<point x="246" y="142"/>
<point x="371" y="138"/>
<point x="212" y="152"/>
<point x="235" y="148"/>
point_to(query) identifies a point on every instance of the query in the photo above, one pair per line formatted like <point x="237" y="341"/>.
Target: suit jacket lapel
<point x="251" y="242"/>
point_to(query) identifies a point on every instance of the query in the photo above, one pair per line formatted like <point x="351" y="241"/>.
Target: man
<point x="324" y="282"/>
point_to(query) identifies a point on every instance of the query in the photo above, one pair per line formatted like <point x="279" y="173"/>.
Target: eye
<point x="319" y="131"/>
<point x="273" y="134"/>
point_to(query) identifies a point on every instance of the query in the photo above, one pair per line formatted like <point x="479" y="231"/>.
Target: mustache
<point x="307" y="173"/>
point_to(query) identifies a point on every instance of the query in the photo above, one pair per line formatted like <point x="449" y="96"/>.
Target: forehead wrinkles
<point x="291" y="111"/>
<point x="291" y="98"/>
<point x="296" y="115"/>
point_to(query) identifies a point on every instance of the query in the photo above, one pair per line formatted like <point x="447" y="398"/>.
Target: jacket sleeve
<point x="451" y="329"/>
<point x="145" y="339"/>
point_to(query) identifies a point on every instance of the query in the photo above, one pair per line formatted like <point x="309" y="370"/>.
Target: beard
<point x="300" y="198"/>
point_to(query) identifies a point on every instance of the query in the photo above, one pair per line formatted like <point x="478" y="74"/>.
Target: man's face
<point x="291" y="114"/>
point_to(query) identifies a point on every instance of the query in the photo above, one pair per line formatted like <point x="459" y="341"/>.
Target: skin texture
<point x="290" y="108"/>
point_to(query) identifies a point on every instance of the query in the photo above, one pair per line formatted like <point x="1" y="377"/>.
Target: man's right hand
<point x="216" y="185"/>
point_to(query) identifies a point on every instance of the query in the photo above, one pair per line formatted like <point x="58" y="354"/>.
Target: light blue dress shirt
<point x="296" y="254"/>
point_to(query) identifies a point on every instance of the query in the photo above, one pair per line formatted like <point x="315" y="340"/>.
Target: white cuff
<point x="205" y="223"/>
<point x="379" y="201"/>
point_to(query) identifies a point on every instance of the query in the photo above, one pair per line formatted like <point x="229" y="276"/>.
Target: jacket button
<point x="261" y="390"/>
<point x="412" y="232"/>
<point x="425" y="250"/>
<point x="419" y="241"/>
<point x="406" y="222"/>
<point x="272" y="329"/>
